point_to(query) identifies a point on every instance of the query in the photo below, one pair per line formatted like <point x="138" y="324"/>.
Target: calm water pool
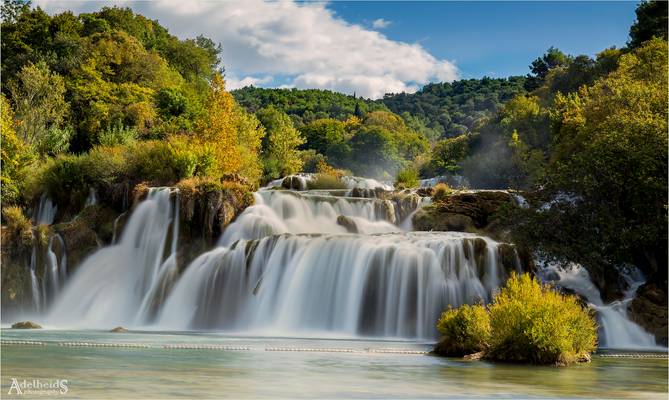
<point x="371" y="369"/>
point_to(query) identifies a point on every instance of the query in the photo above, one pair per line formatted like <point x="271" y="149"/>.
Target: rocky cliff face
<point x="206" y="208"/>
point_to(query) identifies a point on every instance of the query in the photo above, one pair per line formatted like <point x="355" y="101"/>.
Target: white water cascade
<point x="617" y="331"/>
<point x="116" y="284"/>
<point x="382" y="285"/>
<point x="289" y="265"/>
<point x="315" y="263"/>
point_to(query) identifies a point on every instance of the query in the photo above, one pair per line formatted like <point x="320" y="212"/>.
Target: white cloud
<point x="305" y="42"/>
<point x="232" y="82"/>
<point x="380" y="23"/>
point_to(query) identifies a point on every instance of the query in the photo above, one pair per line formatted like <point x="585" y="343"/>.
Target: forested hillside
<point x="305" y="106"/>
<point x="455" y="108"/>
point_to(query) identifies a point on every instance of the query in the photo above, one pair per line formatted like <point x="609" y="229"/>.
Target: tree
<point x="610" y="159"/>
<point x="15" y="155"/>
<point x="447" y="153"/>
<point x="280" y="145"/>
<point x="219" y="126"/>
<point x="540" y="67"/>
<point x="38" y="97"/>
<point x="250" y="133"/>
<point x="651" y="21"/>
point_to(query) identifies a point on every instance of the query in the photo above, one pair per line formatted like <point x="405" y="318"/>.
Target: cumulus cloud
<point x="380" y="23"/>
<point x="305" y="42"/>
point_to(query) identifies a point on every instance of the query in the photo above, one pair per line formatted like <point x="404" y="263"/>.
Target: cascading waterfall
<point x="616" y="330"/>
<point x="289" y="265"/>
<point x="305" y="263"/>
<point x="117" y="283"/>
<point x="382" y="285"/>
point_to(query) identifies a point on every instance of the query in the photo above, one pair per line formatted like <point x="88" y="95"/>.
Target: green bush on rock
<point x="527" y="322"/>
<point x="465" y="330"/>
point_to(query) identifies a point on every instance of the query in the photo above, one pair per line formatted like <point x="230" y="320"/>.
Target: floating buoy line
<point x="210" y="347"/>
<point x="181" y="346"/>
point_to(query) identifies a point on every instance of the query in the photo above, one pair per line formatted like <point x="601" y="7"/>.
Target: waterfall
<point x="55" y="270"/>
<point x="289" y="265"/>
<point x="45" y="212"/>
<point x="383" y="285"/>
<point x="616" y="329"/>
<point x="92" y="198"/>
<point x="116" y="282"/>
<point x="315" y="263"/>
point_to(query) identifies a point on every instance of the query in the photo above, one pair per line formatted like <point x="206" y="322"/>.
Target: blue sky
<point x="497" y="38"/>
<point x="373" y="48"/>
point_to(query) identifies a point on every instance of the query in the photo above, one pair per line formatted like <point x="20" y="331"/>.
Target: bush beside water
<point x="527" y="322"/>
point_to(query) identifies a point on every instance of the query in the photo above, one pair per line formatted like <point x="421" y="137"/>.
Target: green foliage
<point x="55" y="141"/>
<point x="553" y="58"/>
<point x="18" y="225"/>
<point x="117" y="134"/>
<point x="610" y="155"/>
<point x="325" y="181"/>
<point x="305" y="106"/>
<point x="452" y="109"/>
<point x="535" y="324"/>
<point x="310" y="160"/>
<point x="327" y="137"/>
<point x="39" y="105"/>
<point x="527" y="322"/>
<point x="110" y="65"/>
<point x="16" y="155"/>
<point x="651" y="21"/>
<point x="407" y="178"/>
<point x="280" y="145"/>
<point x="464" y="330"/>
<point x="171" y="102"/>
<point x="447" y="153"/>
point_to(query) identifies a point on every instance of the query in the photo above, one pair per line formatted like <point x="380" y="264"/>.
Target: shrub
<point x="117" y="134"/>
<point x="407" y="178"/>
<point x="533" y="323"/>
<point x="526" y="322"/>
<point x="464" y="330"/>
<point x="55" y="141"/>
<point x="18" y="225"/>
<point x="441" y="192"/>
<point x="326" y="181"/>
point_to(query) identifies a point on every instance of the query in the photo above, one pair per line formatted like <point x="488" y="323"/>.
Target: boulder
<point x="649" y="309"/>
<point x="462" y="211"/>
<point x="347" y="223"/>
<point x="26" y="325"/>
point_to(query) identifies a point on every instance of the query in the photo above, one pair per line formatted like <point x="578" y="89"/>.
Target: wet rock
<point x="425" y="192"/>
<point x="463" y="211"/>
<point x="293" y="183"/>
<point x="508" y="257"/>
<point x="474" y="356"/>
<point x="26" y="325"/>
<point x="119" y="329"/>
<point x="649" y="309"/>
<point x="347" y="223"/>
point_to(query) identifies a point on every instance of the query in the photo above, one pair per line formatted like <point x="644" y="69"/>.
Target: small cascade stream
<point x="616" y="329"/>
